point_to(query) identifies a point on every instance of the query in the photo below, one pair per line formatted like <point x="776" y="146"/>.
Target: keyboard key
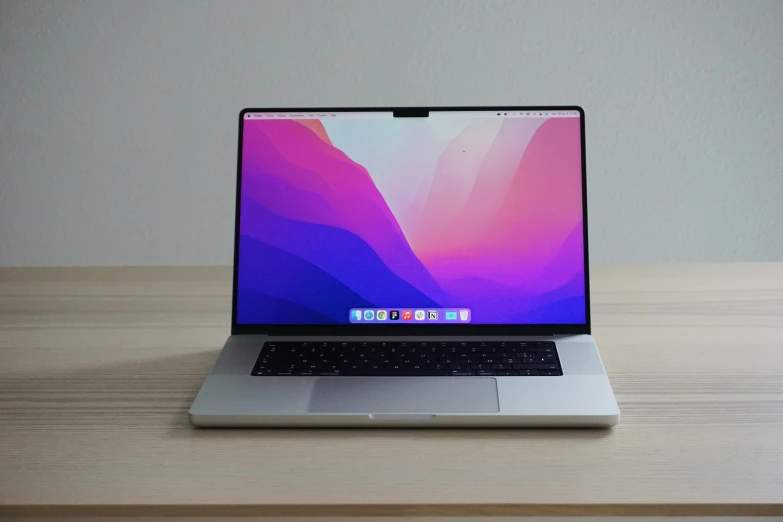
<point x="546" y="349"/>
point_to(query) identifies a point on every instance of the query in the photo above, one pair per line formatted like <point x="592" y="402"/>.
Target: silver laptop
<point x="410" y="267"/>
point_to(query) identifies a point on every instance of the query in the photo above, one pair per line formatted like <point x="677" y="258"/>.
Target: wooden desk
<point x="98" y="368"/>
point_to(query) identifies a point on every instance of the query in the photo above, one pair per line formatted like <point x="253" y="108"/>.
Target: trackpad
<point x="404" y="395"/>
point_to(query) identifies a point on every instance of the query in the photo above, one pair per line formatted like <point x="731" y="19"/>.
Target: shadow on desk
<point x="155" y="393"/>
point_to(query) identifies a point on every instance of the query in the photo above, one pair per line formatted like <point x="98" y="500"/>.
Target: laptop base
<point x="233" y="397"/>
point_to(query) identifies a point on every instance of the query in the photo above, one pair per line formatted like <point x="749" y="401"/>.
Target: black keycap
<point x="547" y="349"/>
<point x="548" y="372"/>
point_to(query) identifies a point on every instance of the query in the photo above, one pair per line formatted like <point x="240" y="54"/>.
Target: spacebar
<point x="398" y="373"/>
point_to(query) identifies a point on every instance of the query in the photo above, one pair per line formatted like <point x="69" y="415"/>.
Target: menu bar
<point x="410" y="315"/>
<point x="505" y="114"/>
<point x="316" y="115"/>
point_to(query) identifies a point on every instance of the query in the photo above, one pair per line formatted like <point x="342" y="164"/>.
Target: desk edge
<point x="386" y="510"/>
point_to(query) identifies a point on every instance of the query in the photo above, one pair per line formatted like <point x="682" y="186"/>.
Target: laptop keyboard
<point x="496" y="358"/>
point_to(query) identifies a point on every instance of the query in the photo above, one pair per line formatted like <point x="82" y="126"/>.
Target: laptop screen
<point x="459" y="217"/>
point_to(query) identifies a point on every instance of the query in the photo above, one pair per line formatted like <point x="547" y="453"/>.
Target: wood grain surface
<point x="99" y="366"/>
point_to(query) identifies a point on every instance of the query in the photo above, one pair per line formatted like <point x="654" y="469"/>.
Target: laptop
<point x="410" y="267"/>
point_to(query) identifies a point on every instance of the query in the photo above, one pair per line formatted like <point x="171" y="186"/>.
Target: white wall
<point x="118" y="118"/>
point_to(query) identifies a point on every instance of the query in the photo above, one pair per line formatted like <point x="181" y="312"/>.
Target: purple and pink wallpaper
<point x="438" y="212"/>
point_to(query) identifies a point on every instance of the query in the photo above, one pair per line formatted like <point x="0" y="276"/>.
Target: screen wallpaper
<point x="357" y="219"/>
